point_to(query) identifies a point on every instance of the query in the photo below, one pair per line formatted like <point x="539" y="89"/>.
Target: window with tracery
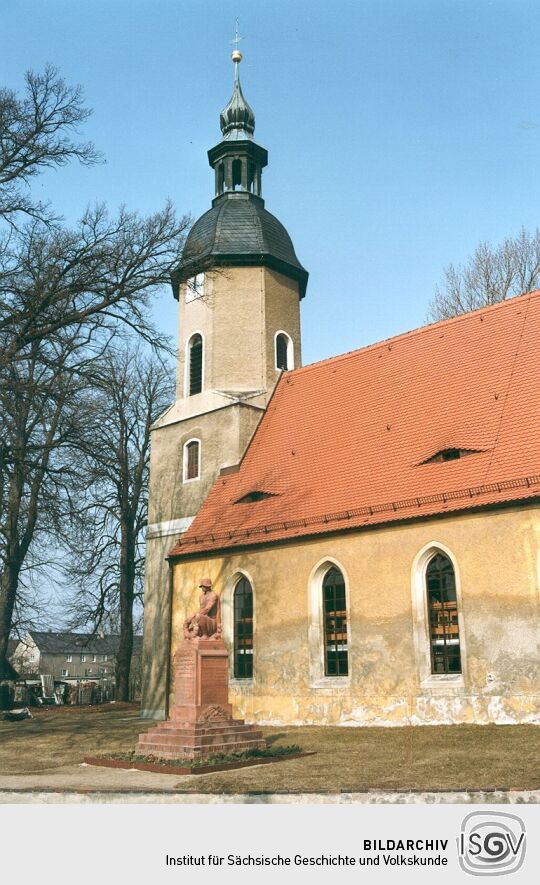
<point x="336" y="656"/>
<point x="243" y="629"/>
<point x="443" y="616"/>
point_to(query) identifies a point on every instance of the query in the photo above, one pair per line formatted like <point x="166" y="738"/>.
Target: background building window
<point x="65" y="672"/>
<point x="192" y="452"/>
<point x="69" y="658"/>
<point x="336" y="659"/>
<point x="195" y="365"/>
<point x="443" y="616"/>
<point x="243" y="629"/>
<point x="83" y="659"/>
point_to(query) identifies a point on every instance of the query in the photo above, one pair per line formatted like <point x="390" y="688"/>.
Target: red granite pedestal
<point x="200" y="721"/>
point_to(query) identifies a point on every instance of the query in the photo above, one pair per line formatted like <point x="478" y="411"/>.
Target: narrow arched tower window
<point x="336" y="656"/>
<point x="195" y="351"/>
<point x="284" y="352"/>
<point x="243" y="630"/>
<point x="237" y="175"/>
<point x="443" y="616"/>
<point x="192" y="460"/>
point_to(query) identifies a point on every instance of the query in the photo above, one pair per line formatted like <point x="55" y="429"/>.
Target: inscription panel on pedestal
<point x="214" y="680"/>
<point x="186" y="679"/>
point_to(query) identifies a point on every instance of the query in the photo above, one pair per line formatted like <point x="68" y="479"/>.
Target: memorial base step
<point x="172" y="740"/>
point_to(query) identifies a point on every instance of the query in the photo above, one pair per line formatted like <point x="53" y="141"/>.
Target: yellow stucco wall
<point x="496" y="555"/>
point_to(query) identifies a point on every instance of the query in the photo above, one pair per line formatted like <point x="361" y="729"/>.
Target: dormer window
<point x="195" y="288"/>
<point x="251" y="497"/>
<point x="450" y="455"/>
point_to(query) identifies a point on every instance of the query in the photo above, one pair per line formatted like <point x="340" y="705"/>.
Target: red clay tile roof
<point x="343" y="442"/>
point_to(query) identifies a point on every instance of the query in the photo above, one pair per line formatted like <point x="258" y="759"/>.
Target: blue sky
<point x="400" y="134"/>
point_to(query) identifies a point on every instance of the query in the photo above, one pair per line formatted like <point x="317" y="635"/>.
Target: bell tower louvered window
<point x="195" y="365"/>
<point x="443" y="616"/>
<point x="243" y="630"/>
<point x="336" y="656"/>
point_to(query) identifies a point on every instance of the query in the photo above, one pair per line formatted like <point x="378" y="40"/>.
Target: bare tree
<point x="64" y="294"/>
<point x="100" y="274"/>
<point x="492" y="274"/>
<point x="106" y="559"/>
<point x="40" y="423"/>
<point x="37" y="132"/>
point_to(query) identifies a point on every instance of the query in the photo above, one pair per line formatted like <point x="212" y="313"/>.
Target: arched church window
<point x="195" y="352"/>
<point x="192" y="460"/>
<point x="336" y="656"/>
<point x="284" y="352"/>
<point x="243" y="629"/>
<point x="443" y="616"/>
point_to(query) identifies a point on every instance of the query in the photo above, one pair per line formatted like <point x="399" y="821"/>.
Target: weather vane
<point x="236" y="54"/>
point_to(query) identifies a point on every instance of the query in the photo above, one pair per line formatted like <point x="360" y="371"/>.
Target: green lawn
<point x="347" y="759"/>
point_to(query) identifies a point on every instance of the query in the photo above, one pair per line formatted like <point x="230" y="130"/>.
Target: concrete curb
<point x="74" y="797"/>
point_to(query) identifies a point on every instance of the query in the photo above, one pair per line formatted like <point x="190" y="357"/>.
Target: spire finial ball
<point x="236" y="56"/>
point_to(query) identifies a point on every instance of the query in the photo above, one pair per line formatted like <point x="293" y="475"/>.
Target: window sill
<point x="443" y="684"/>
<point x="241" y="683"/>
<point x="333" y="682"/>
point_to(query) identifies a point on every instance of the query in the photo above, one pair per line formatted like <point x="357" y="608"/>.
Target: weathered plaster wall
<point x="496" y="555"/>
<point x="157" y="620"/>
<point x="224" y="436"/>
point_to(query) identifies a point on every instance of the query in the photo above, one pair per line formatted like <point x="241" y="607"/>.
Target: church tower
<point x="238" y="286"/>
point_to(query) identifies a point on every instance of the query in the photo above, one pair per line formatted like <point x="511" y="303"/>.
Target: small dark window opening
<point x="450" y="455"/>
<point x="443" y="616"/>
<point x="237" y="174"/>
<point x="254" y="496"/>
<point x="336" y="657"/>
<point x="221" y="178"/>
<point x="243" y="630"/>
<point x="282" y="361"/>
<point x="192" y="460"/>
<point x="195" y="365"/>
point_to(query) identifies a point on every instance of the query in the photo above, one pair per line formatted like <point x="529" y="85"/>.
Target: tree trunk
<point x="127" y="583"/>
<point x="8" y="593"/>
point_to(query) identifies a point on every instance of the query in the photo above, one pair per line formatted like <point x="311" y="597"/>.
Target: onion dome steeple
<point x="238" y="231"/>
<point x="237" y="120"/>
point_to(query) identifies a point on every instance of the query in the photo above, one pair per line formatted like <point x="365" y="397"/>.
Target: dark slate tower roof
<point x="238" y="231"/>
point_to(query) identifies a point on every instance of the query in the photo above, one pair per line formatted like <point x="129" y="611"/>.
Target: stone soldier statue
<point x="206" y="623"/>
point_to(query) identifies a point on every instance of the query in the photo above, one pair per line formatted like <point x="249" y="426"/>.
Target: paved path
<point x="89" y="783"/>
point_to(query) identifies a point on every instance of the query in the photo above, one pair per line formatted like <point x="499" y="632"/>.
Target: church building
<point x="372" y="521"/>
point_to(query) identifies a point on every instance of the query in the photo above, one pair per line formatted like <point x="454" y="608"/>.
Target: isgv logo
<point x="491" y="844"/>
